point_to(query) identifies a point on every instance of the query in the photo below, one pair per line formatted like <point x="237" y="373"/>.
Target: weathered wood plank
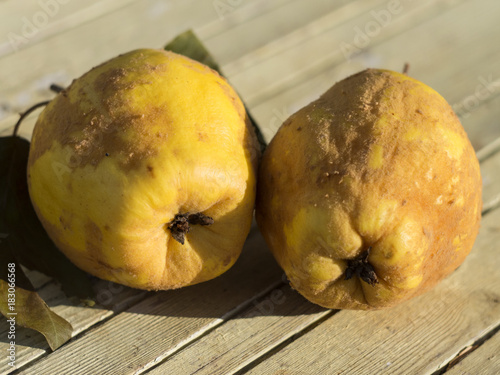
<point x="30" y="21"/>
<point x="163" y="323"/>
<point x="420" y="336"/>
<point x="491" y="181"/>
<point x="236" y="13"/>
<point x="279" y="72"/>
<point x="456" y="57"/>
<point x="333" y="17"/>
<point x="111" y="298"/>
<point x="241" y="340"/>
<point x="27" y="74"/>
<point x="482" y="124"/>
<point x="268" y="25"/>
<point x="484" y="360"/>
<point x="391" y="54"/>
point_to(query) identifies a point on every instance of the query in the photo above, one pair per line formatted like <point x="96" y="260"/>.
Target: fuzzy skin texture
<point x="135" y="141"/>
<point x="380" y="162"/>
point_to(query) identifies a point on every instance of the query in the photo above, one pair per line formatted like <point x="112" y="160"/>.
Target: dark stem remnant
<point x="56" y="88"/>
<point x="406" y="68"/>
<point x="181" y="224"/>
<point x="360" y="267"/>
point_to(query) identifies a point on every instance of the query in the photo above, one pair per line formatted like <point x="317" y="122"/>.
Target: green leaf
<point x="31" y="245"/>
<point x="189" y="45"/>
<point x="20" y="303"/>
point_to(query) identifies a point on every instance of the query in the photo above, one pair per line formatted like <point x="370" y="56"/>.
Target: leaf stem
<point x="26" y="113"/>
<point x="55" y="88"/>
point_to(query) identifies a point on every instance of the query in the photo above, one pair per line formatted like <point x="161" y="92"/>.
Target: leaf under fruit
<point x="19" y="302"/>
<point x="31" y="245"/>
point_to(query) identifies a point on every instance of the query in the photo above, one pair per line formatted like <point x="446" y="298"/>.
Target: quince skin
<point x="371" y="194"/>
<point x="143" y="171"/>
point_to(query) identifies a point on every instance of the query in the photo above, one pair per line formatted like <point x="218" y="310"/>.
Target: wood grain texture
<point x="31" y="21"/>
<point x="111" y="299"/>
<point x="326" y="49"/>
<point x="278" y="22"/>
<point x="484" y="360"/>
<point x="158" y="326"/>
<point x="241" y="340"/>
<point x="339" y="17"/>
<point x="27" y="74"/>
<point x="392" y="53"/>
<point x="491" y="181"/>
<point x="417" y="337"/>
<point x="482" y="123"/>
<point x="235" y="14"/>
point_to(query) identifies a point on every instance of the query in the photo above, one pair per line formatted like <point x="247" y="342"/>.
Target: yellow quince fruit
<point x="143" y="171"/>
<point x="371" y="194"/>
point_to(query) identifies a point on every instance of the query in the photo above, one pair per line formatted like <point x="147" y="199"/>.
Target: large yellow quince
<point x="143" y="171"/>
<point x="371" y="194"/>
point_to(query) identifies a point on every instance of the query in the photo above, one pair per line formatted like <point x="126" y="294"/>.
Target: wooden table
<point x="280" y="55"/>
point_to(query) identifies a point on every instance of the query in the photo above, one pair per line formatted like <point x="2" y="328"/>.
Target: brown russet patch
<point x="101" y="130"/>
<point x="150" y="170"/>
<point x="93" y="117"/>
<point x="227" y="261"/>
<point x="112" y="80"/>
<point x="203" y="137"/>
<point x="64" y="223"/>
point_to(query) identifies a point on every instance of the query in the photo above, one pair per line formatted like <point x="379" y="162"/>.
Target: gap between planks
<point x="31" y="345"/>
<point x="272" y="321"/>
<point x="483" y="359"/>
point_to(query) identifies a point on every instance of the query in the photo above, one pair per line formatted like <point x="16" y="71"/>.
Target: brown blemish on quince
<point x="203" y="137"/>
<point x="227" y="261"/>
<point x="100" y="128"/>
<point x="64" y="223"/>
<point x="151" y="170"/>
